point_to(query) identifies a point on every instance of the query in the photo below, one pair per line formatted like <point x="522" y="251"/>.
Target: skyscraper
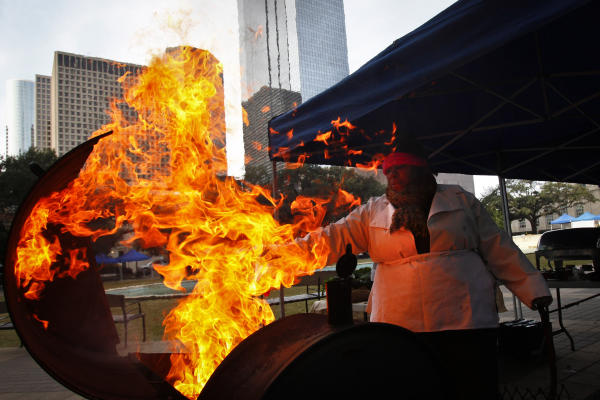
<point x="42" y="137"/>
<point x="297" y="45"/>
<point x="290" y="51"/>
<point x="260" y="108"/>
<point x="322" y="47"/>
<point x="4" y="147"/>
<point x="81" y="91"/>
<point x="19" y="105"/>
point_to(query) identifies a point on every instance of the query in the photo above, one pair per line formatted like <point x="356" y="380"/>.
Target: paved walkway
<point x="578" y="371"/>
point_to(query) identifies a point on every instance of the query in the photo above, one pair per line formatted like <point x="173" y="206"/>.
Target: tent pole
<point x="274" y="193"/>
<point x="516" y="304"/>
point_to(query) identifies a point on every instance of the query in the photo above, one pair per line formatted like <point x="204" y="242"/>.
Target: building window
<point x="522" y="224"/>
<point x="563" y="210"/>
<point x="578" y="210"/>
<point x="549" y="219"/>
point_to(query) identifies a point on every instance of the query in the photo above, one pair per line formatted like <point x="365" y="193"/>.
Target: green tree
<point x="531" y="200"/>
<point x="16" y="179"/>
<point x="318" y="182"/>
<point x="492" y="202"/>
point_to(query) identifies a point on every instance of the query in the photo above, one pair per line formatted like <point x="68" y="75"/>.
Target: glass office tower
<point x="20" y="116"/>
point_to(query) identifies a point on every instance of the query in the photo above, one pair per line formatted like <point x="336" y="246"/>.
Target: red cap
<point x="395" y="159"/>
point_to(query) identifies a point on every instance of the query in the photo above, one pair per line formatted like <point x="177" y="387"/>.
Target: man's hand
<point x="538" y="302"/>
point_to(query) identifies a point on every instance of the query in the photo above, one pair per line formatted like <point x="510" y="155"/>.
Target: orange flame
<point x="43" y="322"/>
<point x="337" y="124"/>
<point x="346" y="199"/>
<point x="258" y="33"/>
<point x="245" y="117"/>
<point x="310" y="211"/>
<point x="301" y="160"/>
<point x="323" y="137"/>
<point x="161" y="174"/>
<point x="257" y="145"/>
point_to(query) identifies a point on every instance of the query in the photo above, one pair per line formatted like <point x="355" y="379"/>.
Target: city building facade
<point x="322" y="45"/>
<point x="260" y="108"/>
<point x="42" y="138"/>
<point x="467" y="182"/>
<point x="297" y="45"/>
<point x="20" y="116"/>
<point x="290" y="50"/>
<point x="4" y="142"/>
<point x="82" y="89"/>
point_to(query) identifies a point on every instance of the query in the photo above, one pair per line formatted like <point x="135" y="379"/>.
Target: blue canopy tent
<point x="104" y="259"/>
<point x="587" y="216"/>
<point x="563" y="219"/>
<point x="507" y="88"/>
<point x="132" y="255"/>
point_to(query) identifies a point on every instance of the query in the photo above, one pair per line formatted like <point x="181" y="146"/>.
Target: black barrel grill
<point x="569" y="244"/>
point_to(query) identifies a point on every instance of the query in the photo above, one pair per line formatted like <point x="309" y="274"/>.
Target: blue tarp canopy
<point x="587" y="216"/>
<point x="508" y="88"/>
<point x="104" y="259"/>
<point x="131" y="255"/>
<point x="563" y="219"/>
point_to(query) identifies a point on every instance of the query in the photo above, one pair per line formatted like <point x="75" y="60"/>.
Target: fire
<point x="163" y="175"/>
<point x="245" y="117"/>
<point x="323" y="137"/>
<point x="338" y="123"/>
<point x="41" y="321"/>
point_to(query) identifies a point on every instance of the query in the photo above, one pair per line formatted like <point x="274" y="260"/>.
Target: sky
<point x="131" y="31"/>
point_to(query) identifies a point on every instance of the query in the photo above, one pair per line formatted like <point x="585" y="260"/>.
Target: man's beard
<point x="412" y="206"/>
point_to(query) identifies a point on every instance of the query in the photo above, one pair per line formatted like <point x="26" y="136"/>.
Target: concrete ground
<point x="520" y="377"/>
<point x="578" y="371"/>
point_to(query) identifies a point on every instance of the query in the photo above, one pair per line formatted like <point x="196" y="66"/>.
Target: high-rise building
<point x="42" y="137"/>
<point x="81" y="91"/>
<point x="322" y="48"/>
<point x="466" y="181"/>
<point x="19" y="105"/>
<point x="297" y="45"/>
<point x="4" y="147"/>
<point x="290" y="50"/>
<point x="260" y="108"/>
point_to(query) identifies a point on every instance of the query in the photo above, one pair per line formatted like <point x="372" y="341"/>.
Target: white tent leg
<point x="518" y="311"/>
<point x="274" y="194"/>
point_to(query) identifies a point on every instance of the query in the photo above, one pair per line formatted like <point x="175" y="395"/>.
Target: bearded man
<point x="439" y="257"/>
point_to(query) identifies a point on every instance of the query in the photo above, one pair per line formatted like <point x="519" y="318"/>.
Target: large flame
<point x="163" y="174"/>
